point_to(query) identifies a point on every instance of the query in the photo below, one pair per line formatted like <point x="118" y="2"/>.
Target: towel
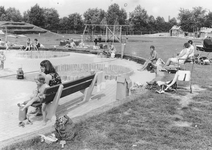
<point x="184" y="75"/>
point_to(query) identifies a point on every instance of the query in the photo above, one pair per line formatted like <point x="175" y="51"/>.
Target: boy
<point x="38" y="95"/>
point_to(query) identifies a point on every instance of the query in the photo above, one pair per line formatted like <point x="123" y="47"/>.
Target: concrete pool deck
<point x="14" y="91"/>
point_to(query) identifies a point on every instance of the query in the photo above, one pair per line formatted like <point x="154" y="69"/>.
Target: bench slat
<point x="75" y="88"/>
<point x="69" y="88"/>
<point x="71" y="83"/>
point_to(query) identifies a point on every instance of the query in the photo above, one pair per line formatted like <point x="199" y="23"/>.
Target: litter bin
<point x="123" y="87"/>
<point x="123" y="45"/>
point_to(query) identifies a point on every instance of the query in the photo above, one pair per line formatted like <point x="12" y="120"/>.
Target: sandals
<point x="21" y="124"/>
<point x="29" y="122"/>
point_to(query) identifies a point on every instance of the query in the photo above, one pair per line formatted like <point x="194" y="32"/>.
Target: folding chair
<point x="182" y="75"/>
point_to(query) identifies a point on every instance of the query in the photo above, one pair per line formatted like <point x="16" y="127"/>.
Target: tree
<point x="151" y="23"/>
<point x="26" y="16"/>
<point x="94" y="16"/>
<point x="2" y="13"/>
<point x="36" y="16"/>
<point x="139" y="19"/>
<point x="75" y="22"/>
<point x="115" y="14"/>
<point x="173" y="21"/>
<point x="13" y="14"/>
<point x="208" y="20"/>
<point x="161" y="24"/>
<point x="64" y="23"/>
<point x="51" y="19"/>
<point x="185" y="17"/>
<point x="192" y="20"/>
<point x="198" y="17"/>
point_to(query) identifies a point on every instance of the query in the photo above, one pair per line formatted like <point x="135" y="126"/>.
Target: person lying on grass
<point x="38" y="95"/>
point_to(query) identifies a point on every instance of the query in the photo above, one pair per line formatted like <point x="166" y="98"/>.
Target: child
<point x="38" y="95"/>
<point x="2" y="59"/>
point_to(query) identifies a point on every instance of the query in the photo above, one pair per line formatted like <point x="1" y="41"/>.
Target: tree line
<point x="138" y="20"/>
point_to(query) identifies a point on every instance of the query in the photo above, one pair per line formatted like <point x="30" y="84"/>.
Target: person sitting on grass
<point x="72" y="44"/>
<point x="38" y="96"/>
<point x="111" y="50"/>
<point x="28" y="45"/>
<point x="181" y="57"/>
<point x="152" y="59"/>
<point x="36" y="44"/>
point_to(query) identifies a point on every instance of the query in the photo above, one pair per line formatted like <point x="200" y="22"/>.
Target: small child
<point x="2" y="59"/>
<point x="38" y="95"/>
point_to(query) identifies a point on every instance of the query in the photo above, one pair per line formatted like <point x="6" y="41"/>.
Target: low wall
<point x="69" y="72"/>
<point x="41" y="54"/>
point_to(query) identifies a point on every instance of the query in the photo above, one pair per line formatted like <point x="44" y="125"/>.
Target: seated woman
<point x="152" y="59"/>
<point x="181" y="57"/>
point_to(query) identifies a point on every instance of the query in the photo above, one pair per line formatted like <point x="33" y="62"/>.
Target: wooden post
<point x="120" y="36"/>
<point x="84" y="32"/>
<point x="6" y="34"/>
<point x="113" y="33"/>
<point x="106" y="34"/>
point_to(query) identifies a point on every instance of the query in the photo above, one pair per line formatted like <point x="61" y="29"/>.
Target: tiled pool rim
<point x="117" y="69"/>
<point x="41" y="54"/>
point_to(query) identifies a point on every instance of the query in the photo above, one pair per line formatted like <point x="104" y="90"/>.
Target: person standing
<point x="2" y="59"/>
<point x="191" y="51"/>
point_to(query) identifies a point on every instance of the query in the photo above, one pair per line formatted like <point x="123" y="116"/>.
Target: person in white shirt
<point x="191" y="52"/>
<point x="180" y="59"/>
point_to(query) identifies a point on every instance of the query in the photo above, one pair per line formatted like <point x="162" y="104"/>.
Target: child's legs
<point x="44" y="111"/>
<point x="30" y="110"/>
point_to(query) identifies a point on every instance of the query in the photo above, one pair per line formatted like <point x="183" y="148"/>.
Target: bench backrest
<point x="68" y="88"/>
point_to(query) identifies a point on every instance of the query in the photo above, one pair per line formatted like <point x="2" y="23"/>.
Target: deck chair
<point x="184" y="61"/>
<point x="181" y="75"/>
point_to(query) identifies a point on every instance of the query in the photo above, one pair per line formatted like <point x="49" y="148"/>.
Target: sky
<point x="163" y="8"/>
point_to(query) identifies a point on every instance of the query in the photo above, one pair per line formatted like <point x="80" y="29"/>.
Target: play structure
<point x="103" y="33"/>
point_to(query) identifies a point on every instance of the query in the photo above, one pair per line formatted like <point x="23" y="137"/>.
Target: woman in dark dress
<point x="51" y="76"/>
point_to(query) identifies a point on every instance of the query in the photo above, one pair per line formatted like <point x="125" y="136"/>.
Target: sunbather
<point x="152" y="59"/>
<point x="37" y="96"/>
<point x="181" y="57"/>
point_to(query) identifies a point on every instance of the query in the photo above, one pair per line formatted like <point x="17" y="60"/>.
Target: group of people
<point x="153" y="61"/>
<point x="70" y="43"/>
<point x="29" y="45"/>
<point x="47" y="77"/>
<point x="111" y="51"/>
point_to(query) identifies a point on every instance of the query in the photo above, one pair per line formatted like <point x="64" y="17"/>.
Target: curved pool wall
<point x="69" y="72"/>
<point x="41" y="54"/>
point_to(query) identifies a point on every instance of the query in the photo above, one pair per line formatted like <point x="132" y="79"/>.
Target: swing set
<point x="104" y="33"/>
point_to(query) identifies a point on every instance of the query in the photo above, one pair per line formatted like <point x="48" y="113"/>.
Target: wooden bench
<point x="54" y="93"/>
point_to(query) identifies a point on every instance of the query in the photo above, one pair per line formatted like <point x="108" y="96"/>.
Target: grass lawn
<point x="150" y="121"/>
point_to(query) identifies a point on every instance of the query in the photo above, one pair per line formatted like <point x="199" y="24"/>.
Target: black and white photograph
<point x="105" y="74"/>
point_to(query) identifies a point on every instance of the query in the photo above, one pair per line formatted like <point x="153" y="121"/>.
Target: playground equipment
<point x="107" y="33"/>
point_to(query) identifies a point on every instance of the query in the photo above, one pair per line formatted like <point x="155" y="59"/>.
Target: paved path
<point x="15" y="91"/>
